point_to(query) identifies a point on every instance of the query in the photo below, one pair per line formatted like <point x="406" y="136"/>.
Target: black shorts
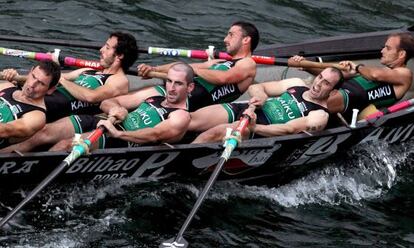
<point x="87" y="123"/>
<point x="235" y="112"/>
<point x="59" y="106"/>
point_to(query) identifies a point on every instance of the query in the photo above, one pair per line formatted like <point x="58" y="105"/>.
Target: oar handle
<point x="245" y="120"/>
<point x="97" y="133"/>
<point x="312" y="64"/>
<point x="18" y="78"/>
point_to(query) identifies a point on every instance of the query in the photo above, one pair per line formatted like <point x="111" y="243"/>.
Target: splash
<point x="367" y="174"/>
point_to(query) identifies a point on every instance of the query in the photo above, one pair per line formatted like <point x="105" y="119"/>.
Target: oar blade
<point x="174" y="243"/>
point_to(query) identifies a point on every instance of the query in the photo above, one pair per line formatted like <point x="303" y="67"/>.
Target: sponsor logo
<point x="223" y="91"/>
<point x="379" y="92"/>
<point x="75" y="105"/>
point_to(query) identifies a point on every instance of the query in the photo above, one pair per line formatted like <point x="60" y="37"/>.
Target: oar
<point x="202" y="54"/>
<point x="18" y="78"/>
<point x="312" y="64"/>
<point x="231" y="144"/>
<point x="394" y="108"/>
<point x="64" y="61"/>
<point x="64" y="43"/>
<point x="77" y="151"/>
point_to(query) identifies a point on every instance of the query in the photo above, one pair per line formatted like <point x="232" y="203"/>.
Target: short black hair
<point x="51" y="69"/>
<point x="340" y="76"/>
<point x="127" y="46"/>
<point x="251" y="31"/>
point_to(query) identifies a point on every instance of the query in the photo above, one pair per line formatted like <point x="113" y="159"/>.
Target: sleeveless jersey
<point x="205" y="93"/>
<point x="290" y="105"/>
<point x="11" y="109"/>
<point x="61" y="103"/>
<point x="359" y="92"/>
<point x="88" y="79"/>
<point x="148" y="114"/>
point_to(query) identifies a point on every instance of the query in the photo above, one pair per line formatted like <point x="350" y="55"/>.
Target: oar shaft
<point x="392" y="109"/>
<point x="65" y="43"/>
<point x="65" y="61"/>
<point x="34" y="192"/>
<point x="312" y="64"/>
<point x="231" y="144"/>
<point x="77" y="151"/>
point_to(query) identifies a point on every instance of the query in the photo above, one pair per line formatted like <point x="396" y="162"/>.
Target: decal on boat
<point x="13" y="167"/>
<point x="239" y="159"/>
<point x="110" y="168"/>
<point x="394" y="134"/>
<point x="321" y="149"/>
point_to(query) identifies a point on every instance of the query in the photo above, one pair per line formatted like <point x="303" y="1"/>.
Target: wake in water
<point x="368" y="173"/>
<point x="142" y="214"/>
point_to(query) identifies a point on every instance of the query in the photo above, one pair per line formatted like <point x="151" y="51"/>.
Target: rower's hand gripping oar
<point x="77" y="151"/>
<point x="18" y="78"/>
<point x="231" y="144"/>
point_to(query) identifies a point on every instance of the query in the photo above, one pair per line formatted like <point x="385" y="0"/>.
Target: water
<point x="363" y="201"/>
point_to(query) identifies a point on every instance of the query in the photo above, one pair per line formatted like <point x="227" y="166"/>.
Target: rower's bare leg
<point x="66" y="144"/>
<point x="208" y="117"/>
<point x="50" y="134"/>
<point x="215" y="134"/>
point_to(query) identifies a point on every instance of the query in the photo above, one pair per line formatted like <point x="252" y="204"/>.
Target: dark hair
<point x="251" y="31"/>
<point x="340" y="76"/>
<point x="51" y="69"/>
<point x="127" y="46"/>
<point x="406" y="44"/>
<point x="184" y="67"/>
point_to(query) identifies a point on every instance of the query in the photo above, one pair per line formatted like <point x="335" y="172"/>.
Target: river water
<point x="363" y="201"/>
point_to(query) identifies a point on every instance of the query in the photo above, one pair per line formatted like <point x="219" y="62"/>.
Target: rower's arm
<point x="114" y="86"/>
<point x="170" y="130"/>
<point x="262" y="91"/>
<point x="315" y="121"/>
<point x="23" y="127"/>
<point x="397" y="76"/>
<point x="244" y="69"/>
<point x="74" y="74"/>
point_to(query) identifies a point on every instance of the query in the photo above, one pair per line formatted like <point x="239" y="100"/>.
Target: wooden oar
<point x="63" y="61"/>
<point x="231" y="144"/>
<point x="312" y="64"/>
<point x="18" y="78"/>
<point x="77" y="151"/>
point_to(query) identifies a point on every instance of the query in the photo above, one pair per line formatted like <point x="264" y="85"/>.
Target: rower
<point x="282" y="107"/>
<point x="158" y="119"/>
<point x="217" y="81"/>
<point x="22" y="110"/>
<point x="82" y="90"/>
<point x="378" y="86"/>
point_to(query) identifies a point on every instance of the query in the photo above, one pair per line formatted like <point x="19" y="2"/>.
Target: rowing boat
<point x="258" y="161"/>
